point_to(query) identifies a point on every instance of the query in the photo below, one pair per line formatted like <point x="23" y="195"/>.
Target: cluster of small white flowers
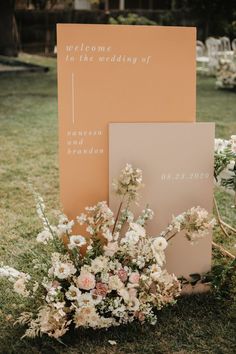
<point x="62" y="267"/>
<point x="98" y="220"/>
<point x="129" y="182"/>
<point x="196" y="222"/>
<point x="221" y="145"/>
<point x="146" y="215"/>
<point x="64" y="226"/>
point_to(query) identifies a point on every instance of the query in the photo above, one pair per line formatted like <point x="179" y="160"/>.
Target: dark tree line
<point x="8" y="29"/>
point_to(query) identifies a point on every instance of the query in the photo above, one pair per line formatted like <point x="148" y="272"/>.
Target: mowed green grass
<point x="28" y="154"/>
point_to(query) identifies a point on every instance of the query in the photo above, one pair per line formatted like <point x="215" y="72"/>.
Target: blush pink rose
<point x="134" y="278"/>
<point x="122" y="274"/>
<point x="86" y="281"/>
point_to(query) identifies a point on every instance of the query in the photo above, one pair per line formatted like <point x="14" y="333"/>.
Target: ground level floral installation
<point x="226" y="75"/>
<point x="113" y="277"/>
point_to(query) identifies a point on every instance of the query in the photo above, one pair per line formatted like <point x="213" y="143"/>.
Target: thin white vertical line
<point x="73" y="97"/>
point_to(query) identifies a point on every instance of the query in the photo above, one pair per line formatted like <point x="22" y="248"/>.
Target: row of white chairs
<point x="214" y="49"/>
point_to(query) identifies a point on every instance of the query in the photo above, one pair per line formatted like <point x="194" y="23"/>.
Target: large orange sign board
<point x="115" y="74"/>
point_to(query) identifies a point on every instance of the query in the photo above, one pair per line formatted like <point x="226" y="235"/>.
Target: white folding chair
<point x="202" y="59"/>
<point x="225" y="49"/>
<point x="213" y="49"/>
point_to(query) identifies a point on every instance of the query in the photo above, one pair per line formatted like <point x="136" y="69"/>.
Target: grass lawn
<point x="28" y="154"/>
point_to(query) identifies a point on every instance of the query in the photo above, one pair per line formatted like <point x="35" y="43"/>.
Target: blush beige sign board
<point x="115" y="74"/>
<point x="177" y="160"/>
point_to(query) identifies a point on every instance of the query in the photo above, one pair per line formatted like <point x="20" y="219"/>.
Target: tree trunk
<point x="8" y="29"/>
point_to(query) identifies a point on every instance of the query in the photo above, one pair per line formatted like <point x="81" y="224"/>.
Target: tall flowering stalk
<point x="127" y="187"/>
<point x="121" y="276"/>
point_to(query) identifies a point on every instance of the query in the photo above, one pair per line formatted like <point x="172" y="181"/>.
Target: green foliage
<point x="131" y="19"/>
<point x="230" y="182"/>
<point x="221" y="160"/>
<point x="223" y="278"/>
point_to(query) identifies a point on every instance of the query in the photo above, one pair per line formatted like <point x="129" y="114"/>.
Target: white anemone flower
<point x="159" y="244"/>
<point x="73" y="293"/>
<point x="76" y="241"/>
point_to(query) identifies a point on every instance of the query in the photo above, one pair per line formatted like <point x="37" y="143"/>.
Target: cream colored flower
<point x="160" y="257"/>
<point x="134" y="305"/>
<point x="124" y="294"/>
<point x="73" y="293"/>
<point x="159" y="244"/>
<point x="64" y="270"/>
<point x="99" y="264"/>
<point x="87" y="299"/>
<point x="110" y="249"/>
<point x="155" y="272"/>
<point x="20" y="287"/>
<point x="115" y="283"/>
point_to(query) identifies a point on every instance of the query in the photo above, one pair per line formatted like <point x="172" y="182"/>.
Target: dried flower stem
<point x="223" y="250"/>
<point x="172" y="236"/>
<point x="118" y="214"/>
<point x="218" y="216"/>
<point x="228" y="226"/>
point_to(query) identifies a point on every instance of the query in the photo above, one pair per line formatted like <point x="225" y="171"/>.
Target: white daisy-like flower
<point x="73" y="293"/>
<point x="65" y="228"/>
<point x="64" y="270"/>
<point x="85" y="299"/>
<point x="76" y="241"/>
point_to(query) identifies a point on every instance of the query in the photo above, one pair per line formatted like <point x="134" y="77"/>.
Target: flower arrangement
<point x="226" y="75"/>
<point x="225" y="176"/>
<point x="225" y="162"/>
<point x="110" y="273"/>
